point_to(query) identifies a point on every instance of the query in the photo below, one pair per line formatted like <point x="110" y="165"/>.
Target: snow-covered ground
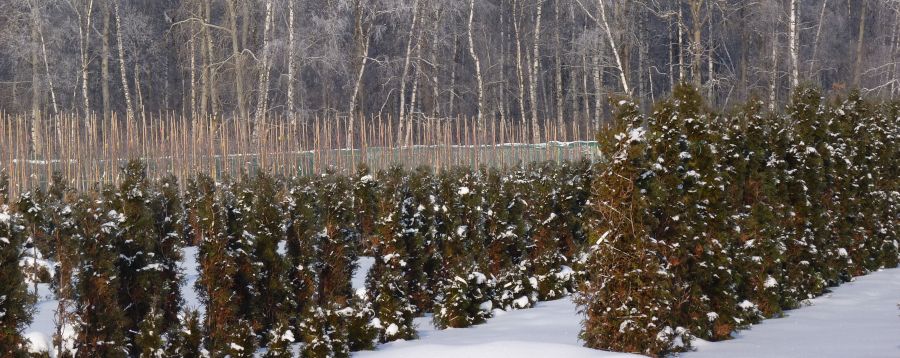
<point x="550" y="329"/>
<point x="858" y="319"/>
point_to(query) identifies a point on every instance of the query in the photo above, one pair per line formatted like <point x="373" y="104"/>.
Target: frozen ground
<point x="858" y="319"/>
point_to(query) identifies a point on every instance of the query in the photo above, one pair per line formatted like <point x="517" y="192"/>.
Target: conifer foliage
<point x="709" y="222"/>
<point x="15" y="312"/>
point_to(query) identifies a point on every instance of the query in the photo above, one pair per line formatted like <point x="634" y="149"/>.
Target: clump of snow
<point x="746" y="305"/>
<point x="366" y="179"/>
<point x="38" y="342"/>
<point x="636" y="135"/>
<point x="712" y="316"/>
<point x="391" y="330"/>
<point x="463" y="190"/>
<point x="521" y="302"/>
<point x="287" y="336"/>
<point x="486" y="306"/>
<point x="770" y="282"/>
<point x="565" y="273"/>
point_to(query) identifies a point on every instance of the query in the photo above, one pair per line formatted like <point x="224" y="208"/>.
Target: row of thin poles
<point x="87" y="150"/>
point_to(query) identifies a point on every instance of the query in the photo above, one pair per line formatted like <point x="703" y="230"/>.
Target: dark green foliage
<point x="147" y="262"/>
<point x="304" y="232"/>
<point x="396" y="235"/>
<point x="357" y="319"/>
<point x="165" y="202"/>
<point x="263" y="228"/>
<point x="149" y="340"/>
<point x="323" y="336"/>
<point x="280" y="339"/>
<point x="102" y="322"/>
<point x="15" y="304"/>
<point x="340" y="241"/>
<point x="723" y="221"/>
<point x="465" y="294"/>
<point x="627" y="298"/>
<point x="186" y="338"/>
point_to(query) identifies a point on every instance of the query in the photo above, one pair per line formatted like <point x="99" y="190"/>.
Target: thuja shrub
<point x="276" y="256"/>
<point x="708" y="222"/>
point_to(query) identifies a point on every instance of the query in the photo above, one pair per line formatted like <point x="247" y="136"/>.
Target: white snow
<point x="548" y="330"/>
<point x="38" y="342"/>
<point x="636" y="135"/>
<point x="463" y="190"/>
<point x="859" y="319"/>
<point x="191" y="272"/>
<point x="359" y="277"/>
<point x="770" y="282"/>
<point x="391" y="330"/>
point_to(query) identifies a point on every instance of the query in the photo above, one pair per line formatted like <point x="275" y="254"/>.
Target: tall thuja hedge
<point x="694" y="211"/>
<point x="365" y="204"/>
<point x="425" y="263"/>
<point x="627" y="297"/>
<point x="722" y="221"/>
<point x="882" y="152"/>
<point x="303" y="233"/>
<point x="803" y="178"/>
<point x="263" y="228"/>
<point x="340" y="242"/>
<point x="166" y="204"/>
<point x="15" y="304"/>
<point x="147" y="260"/>
<point x="749" y="162"/>
<point x="552" y="237"/>
<point x="102" y="323"/>
<point x="207" y="217"/>
<point x="508" y="233"/>
<point x="464" y="295"/>
<point x="396" y="235"/>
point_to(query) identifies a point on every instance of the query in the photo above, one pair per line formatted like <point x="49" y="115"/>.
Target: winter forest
<point x="473" y="178"/>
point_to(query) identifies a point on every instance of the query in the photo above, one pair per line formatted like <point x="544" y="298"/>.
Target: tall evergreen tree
<point x="101" y="320"/>
<point x="396" y="233"/>
<point x="15" y="305"/>
<point x="216" y="267"/>
<point x="264" y="225"/>
<point x="627" y="299"/>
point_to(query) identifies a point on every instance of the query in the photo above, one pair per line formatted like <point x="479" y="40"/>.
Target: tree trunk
<point x="533" y="78"/>
<point x="104" y="63"/>
<point x="291" y="64"/>
<point x="519" y="72"/>
<point x="612" y="45"/>
<point x="264" y="68"/>
<point x="696" y="42"/>
<point x="37" y="116"/>
<point x="478" y="79"/>
<point x="84" y="41"/>
<point x="409" y="50"/>
<point x="815" y="54"/>
<point x="857" y="68"/>
<point x="238" y="59"/>
<point x="129" y="110"/>
<point x="792" y="40"/>
<point x="560" y="99"/>
<point x="363" y="36"/>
